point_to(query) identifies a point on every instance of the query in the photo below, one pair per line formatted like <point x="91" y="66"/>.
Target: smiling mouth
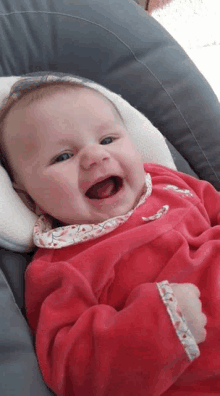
<point x="105" y="189"/>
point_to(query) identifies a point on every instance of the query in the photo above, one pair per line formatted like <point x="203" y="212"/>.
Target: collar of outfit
<point x="45" y="236"/>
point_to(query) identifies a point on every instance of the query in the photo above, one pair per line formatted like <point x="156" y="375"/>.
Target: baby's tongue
<point x="102" y="189"/>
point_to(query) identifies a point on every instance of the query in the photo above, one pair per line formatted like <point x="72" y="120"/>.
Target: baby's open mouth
<point x="106" y="188"/>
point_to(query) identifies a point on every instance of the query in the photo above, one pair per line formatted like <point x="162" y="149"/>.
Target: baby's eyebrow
<point x="62" y="142"/>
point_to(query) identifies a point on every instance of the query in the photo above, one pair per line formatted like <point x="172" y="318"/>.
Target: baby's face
<point x="61" y="145"/>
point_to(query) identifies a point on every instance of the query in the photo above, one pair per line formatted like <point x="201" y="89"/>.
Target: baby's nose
<point x="93" y="154"/>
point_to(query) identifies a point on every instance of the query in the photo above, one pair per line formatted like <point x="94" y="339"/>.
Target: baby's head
<point x="60" y="139"/>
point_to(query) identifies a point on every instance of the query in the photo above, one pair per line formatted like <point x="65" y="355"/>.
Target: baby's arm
<point x="84" y="347"/>
<point x="207" y="194"/>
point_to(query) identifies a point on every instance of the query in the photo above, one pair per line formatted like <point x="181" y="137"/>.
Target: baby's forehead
<point x="25" y="134"/>
<point x="17" y="134"/>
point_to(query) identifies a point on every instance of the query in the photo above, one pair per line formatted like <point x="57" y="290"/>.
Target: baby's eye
<point x="63" y="154"/>
<point x="108" y="138"/>
<point x="60" y="156"/>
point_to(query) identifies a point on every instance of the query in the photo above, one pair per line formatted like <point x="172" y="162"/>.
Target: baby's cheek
<point x="58" y="195"/>
<point x="47" y="194"/>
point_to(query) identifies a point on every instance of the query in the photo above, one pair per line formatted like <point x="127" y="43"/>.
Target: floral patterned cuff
<point x="179" y="322"/>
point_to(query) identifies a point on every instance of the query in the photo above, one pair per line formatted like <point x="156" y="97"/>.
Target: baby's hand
<point x="187" y="295"/>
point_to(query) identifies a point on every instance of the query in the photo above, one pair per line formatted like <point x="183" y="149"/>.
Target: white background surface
<point x="195" y="25"/>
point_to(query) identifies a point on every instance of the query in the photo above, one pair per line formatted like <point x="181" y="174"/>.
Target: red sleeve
<point x="209" y="197"/>
<point x="87" y="348"/>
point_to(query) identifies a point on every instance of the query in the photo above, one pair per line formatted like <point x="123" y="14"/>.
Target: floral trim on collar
<point x="46" y="237"/>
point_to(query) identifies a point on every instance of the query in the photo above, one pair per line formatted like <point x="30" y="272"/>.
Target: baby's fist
<point x="187" y="295"/>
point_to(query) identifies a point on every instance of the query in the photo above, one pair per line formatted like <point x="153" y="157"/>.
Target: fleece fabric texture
<point x="102" y="311"/>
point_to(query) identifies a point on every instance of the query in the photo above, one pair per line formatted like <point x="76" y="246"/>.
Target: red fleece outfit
<point x="105" y="319"/>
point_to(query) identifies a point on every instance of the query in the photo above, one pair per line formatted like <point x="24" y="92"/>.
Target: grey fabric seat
<point x="116" y="44"/>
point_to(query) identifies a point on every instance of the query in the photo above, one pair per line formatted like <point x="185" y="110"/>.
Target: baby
<point x="116" y="309"/>
<point x="50" y="158"/>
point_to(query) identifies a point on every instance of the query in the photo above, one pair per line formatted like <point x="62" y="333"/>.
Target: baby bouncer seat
<point x="118" y="45"/>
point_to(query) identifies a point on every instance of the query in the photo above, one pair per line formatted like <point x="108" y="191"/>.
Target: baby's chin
<point x="57" y="223"/>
